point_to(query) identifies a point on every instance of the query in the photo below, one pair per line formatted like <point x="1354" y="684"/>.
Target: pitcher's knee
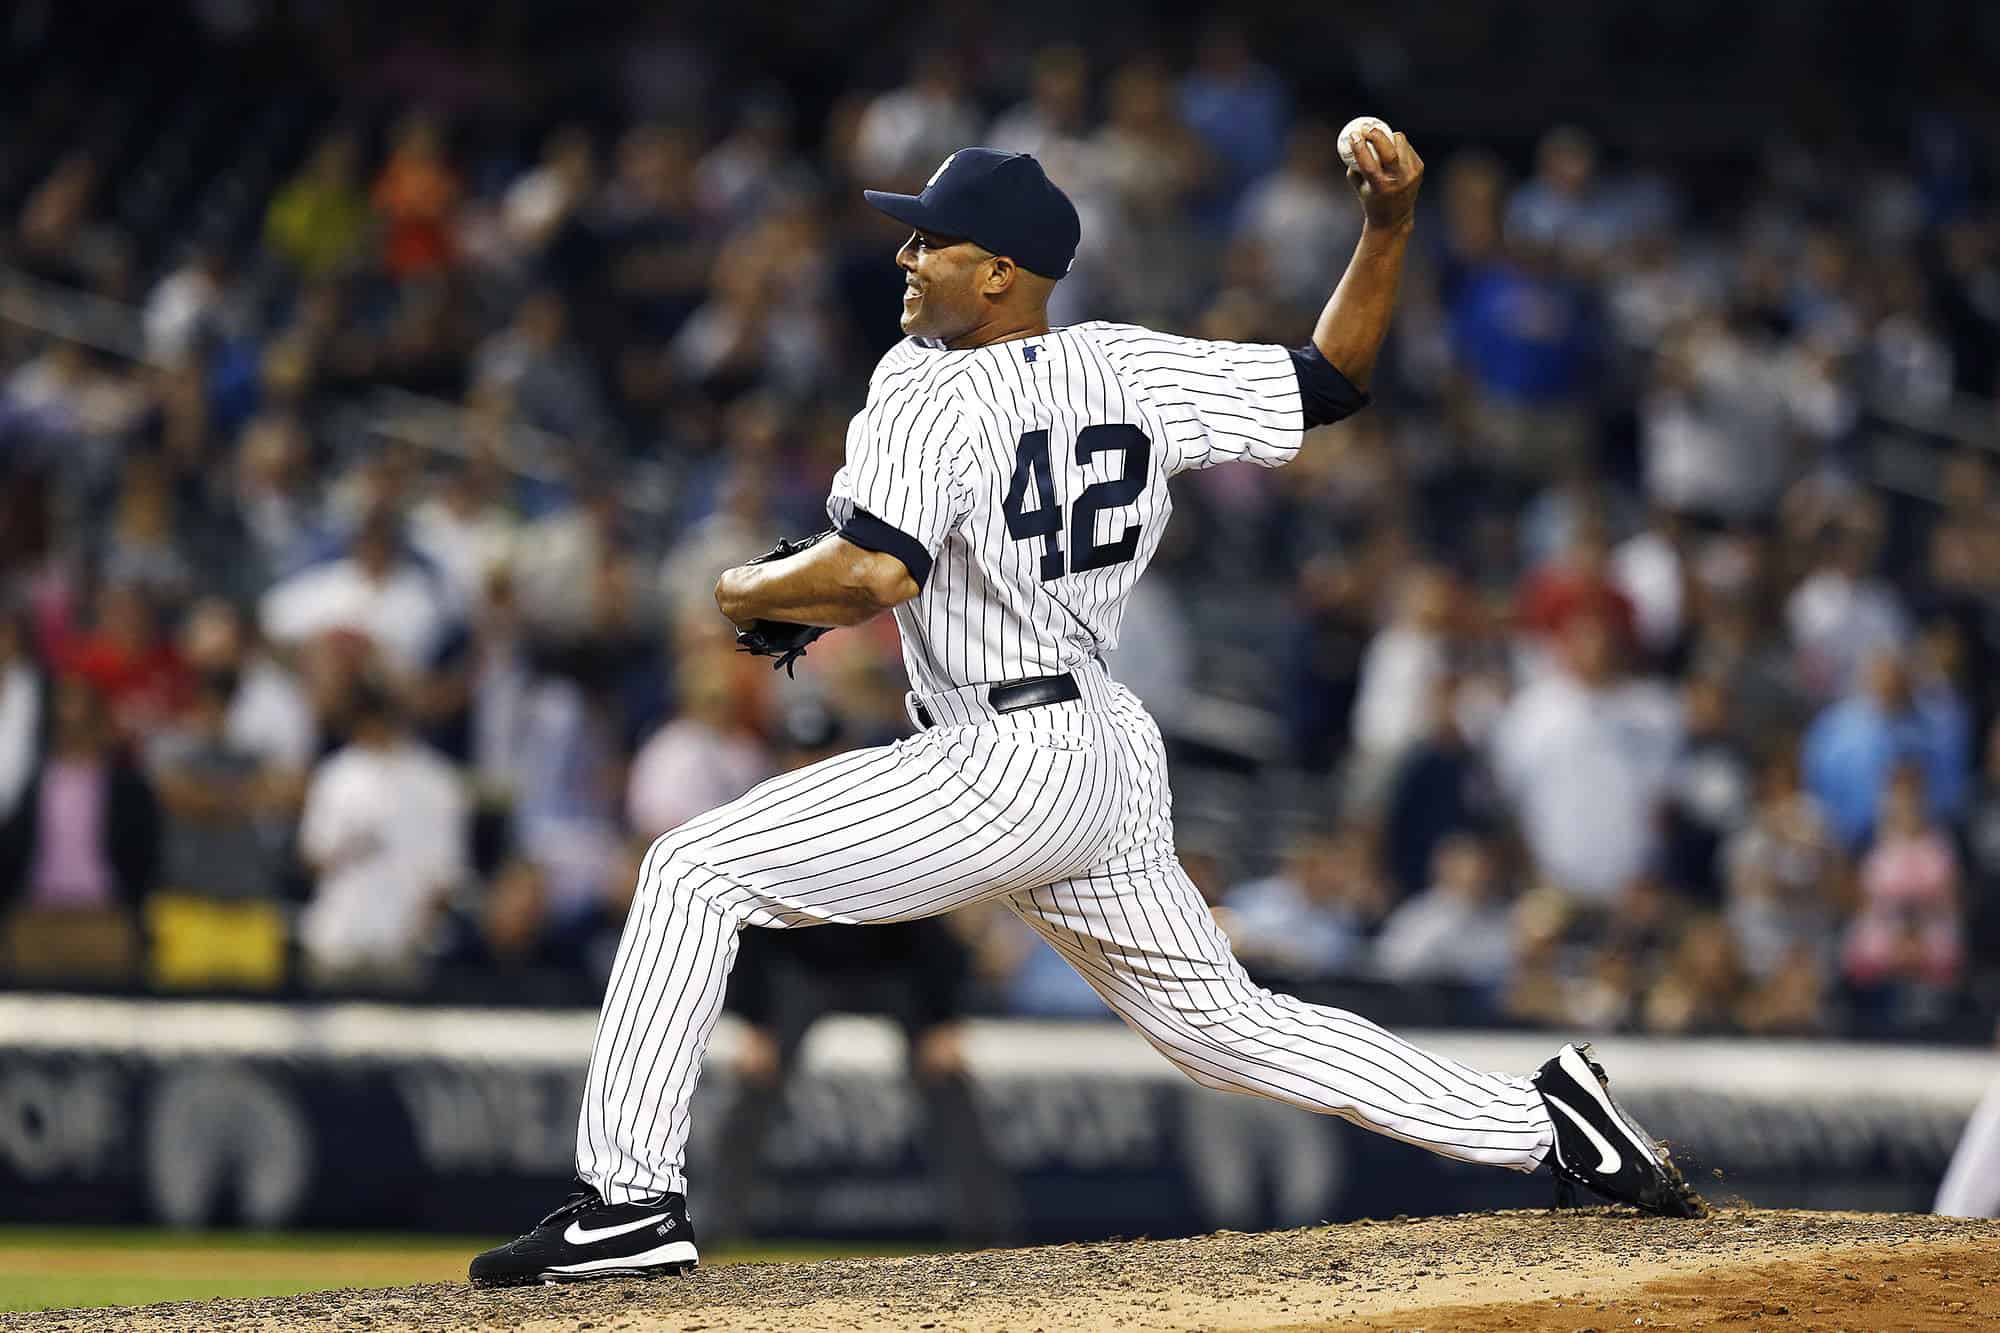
<point x="1196" y="1050"/>
<point x="672" y="868"/>
<point x="1207" y="1077"/>
<point x="683" y="844"/>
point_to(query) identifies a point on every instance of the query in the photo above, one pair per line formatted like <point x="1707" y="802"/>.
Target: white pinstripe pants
<point x="1971" y="1185"/>
<point x="1064" y="811"/>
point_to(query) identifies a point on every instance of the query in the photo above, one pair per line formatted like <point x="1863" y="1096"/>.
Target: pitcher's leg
<point x="664" y="996"/>
<point x="887" y="834"/>
<point x="1971" y="1186"/>
<point x="1145" y="940"/>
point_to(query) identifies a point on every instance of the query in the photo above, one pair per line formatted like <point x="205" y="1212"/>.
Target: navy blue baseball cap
<point x="1003" y="202"/>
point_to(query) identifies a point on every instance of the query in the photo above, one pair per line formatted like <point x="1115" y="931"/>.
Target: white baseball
<point x="1356" y="128"/>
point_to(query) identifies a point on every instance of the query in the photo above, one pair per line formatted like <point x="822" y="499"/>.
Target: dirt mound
<point x="1590" y="1269"/>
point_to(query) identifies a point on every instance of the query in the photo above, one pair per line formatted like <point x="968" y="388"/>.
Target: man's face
<point x="941" y="280"/>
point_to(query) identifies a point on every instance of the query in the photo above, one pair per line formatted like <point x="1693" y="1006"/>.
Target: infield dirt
<point x="1597" y="1269"/>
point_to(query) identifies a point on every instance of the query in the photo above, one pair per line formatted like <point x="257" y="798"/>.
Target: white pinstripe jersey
<point x="1025" y="482"/>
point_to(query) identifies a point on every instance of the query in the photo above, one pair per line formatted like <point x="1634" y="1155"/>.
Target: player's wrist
<point x="1397" y="229"/>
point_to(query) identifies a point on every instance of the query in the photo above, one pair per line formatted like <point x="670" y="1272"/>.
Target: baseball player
<point x="1004" y="488"/>
<point x="1971" y="1185"/>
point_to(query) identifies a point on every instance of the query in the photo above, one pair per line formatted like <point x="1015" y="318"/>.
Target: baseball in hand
<point x="1360" y="125"/>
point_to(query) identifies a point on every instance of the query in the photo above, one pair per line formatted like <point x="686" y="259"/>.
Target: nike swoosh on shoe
<point x="1608" y="1159"/>
<point x="576" y="1235"/>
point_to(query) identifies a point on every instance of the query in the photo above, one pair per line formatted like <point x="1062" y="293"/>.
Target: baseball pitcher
<point x="1005" y="487"/>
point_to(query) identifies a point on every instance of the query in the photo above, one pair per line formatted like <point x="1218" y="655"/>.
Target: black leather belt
<point x="1011" y="696"/>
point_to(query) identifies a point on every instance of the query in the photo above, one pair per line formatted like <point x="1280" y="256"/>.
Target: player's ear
<point x="1000" y="274"/>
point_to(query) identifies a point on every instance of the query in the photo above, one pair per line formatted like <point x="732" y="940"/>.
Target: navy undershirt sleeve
<point x="1324" y="393"/>
<point x="873" y="534"/>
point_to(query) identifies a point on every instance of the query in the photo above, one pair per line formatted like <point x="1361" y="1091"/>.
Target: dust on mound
<point x="1589" y="1269"/>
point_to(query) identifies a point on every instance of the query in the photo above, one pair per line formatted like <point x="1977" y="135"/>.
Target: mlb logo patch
<point x="1028" y="352"/>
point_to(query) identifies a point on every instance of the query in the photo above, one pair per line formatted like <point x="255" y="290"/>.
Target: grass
<point x="50" y="1268"/>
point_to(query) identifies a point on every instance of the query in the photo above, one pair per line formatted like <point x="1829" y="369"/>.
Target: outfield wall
<point x="385" y="1117"/>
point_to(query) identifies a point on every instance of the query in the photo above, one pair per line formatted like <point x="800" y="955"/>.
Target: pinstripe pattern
<point x="932" y="452"/>
<point x="1063" y="810"/>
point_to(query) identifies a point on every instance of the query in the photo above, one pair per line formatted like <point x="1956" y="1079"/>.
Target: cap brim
<point x="908" y="209"/>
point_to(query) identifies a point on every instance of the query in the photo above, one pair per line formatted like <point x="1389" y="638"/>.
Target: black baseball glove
<point x="781" y="639"/>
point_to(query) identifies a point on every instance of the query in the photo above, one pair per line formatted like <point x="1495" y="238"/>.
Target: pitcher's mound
<point x="1598" y="1269"/>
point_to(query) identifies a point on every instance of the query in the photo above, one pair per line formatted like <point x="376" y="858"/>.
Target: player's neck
<point x="1000" y="329"/>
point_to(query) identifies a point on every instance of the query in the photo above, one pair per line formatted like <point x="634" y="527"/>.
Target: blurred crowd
<point x="356" y="563"/>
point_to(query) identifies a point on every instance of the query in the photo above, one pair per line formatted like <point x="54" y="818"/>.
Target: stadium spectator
<point x="466" y="529"/>
<point x="506" y="933"/>
<point x="567" y="823"/>
<point x="190" y="308"/>
<point x="541" y="215"/>
<point x="1239" y="107"/>
<point x="1312" y="919"/>
<point x="269" y="492"/>
<point x="1152" y="166"/>
<point x="1527" y="339"/>
<point x="1654" y="289"/>
<point x="1565" y="204"/>
<point x="417" y="194"/>
<point x="1302" y="216"/>
<point x="1702" y="986"/>
<point x="741" y="520"/>
<point x="384" y="834"/>
<point x="759" y="328"/>
<point x="1578" y="580"/>
<point x="1787" y="883"/>
<point x="53" y="231"/>
<point x="85" y="832"/>
<point x="1710" y="792"/>
<point x="1652" y="569"/>
<point x="571" y="542"/>
<point x="268" y="713"/>
<point x="376" y="592"/>
<point x="50" y="392"/>
<point x="1855" y="745"/>
<point x="1906" y="944"/>
<point x="1456" y="930"/>
<point x="1840" y="615"/>
<point x="1399" y="675"/>
<point x="145" y="546"/>
<point x="906" y="132"/>
<point x="1442" y="788"/>
<point x="320" y="220"/>
<point x="1755" y="665"/>
<point x="132" y="667"/>
<point x="213" y="790"/>
<point x="1052" y="123"/>
<point x="1587" y="737"/>
<point x="656" y="254"/>
<point x="542" y="370"/>
<point x="1961" y="573"/>
<point x="707" y="755"/>
<point x="215" y="919"/>
<point x="754" y="166"/>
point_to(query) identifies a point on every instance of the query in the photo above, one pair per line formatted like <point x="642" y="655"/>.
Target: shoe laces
<point x="576" y="1203"/>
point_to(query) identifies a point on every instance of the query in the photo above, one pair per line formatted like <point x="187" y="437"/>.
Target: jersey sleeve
<point x="902" y="489"/>
<point x="1220" y="401"/>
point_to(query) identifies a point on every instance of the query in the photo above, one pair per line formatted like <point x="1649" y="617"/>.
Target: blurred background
<point x="383" y="386"/>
